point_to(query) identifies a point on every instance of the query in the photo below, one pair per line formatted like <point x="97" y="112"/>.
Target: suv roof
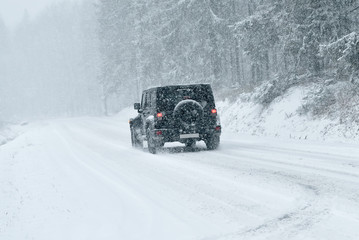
<point x="179" y="86"/>
<point x="169" y="96"/>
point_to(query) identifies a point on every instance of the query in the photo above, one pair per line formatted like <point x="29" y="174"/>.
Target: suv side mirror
<point x="137" y="106"/>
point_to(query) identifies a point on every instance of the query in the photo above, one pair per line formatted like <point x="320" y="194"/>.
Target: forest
<point x="95" y="57"/>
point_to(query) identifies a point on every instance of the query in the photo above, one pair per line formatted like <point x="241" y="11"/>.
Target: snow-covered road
<point x="81" y="179"/>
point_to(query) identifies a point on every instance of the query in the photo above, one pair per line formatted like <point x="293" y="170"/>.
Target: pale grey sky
<point x="12" y="11"/>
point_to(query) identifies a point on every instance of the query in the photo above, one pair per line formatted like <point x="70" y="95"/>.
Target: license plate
<point x="193" y="135"/>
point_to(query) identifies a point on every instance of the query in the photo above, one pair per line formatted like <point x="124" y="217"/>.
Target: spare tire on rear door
<point x="188" y="113"/>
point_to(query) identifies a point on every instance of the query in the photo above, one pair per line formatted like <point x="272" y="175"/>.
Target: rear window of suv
<point x="169" y="97"/>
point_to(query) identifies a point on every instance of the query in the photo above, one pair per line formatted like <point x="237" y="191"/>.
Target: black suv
<point x="182" y="113"/>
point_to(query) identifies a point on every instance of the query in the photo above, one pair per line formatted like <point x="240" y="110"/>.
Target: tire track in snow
<point x="198" y="176"/>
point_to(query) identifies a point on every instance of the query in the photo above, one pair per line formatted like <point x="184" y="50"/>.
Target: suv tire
<point x="212" y="142"/>
<point x="134" y="140"/>
<point x="152" y="147"/>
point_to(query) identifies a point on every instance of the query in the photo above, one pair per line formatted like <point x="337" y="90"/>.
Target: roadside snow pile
<point x="8" y="133"/>
<point x="291" y="115"/>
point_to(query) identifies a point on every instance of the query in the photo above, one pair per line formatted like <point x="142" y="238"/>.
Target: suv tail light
<point x="159" y="116"/>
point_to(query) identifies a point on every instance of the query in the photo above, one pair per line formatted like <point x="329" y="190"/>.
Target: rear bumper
<point x="174" y="135"/>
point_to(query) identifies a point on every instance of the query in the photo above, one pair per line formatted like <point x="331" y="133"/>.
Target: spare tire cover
<point x="188" y="112"/>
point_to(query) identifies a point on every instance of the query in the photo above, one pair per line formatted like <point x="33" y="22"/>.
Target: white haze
<point x="49" y="61"/>
<point x="12" y="11"/>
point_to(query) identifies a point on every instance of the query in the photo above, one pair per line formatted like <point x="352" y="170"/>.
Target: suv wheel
<point x="152" y="147"/>
<point x="135" y="141"/>
<point x="212" y="142"/>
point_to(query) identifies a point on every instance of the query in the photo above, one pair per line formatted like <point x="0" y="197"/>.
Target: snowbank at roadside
<point x="283" y="118"/>
<point x="9" y="132"/>
<point x="5" y="135"/>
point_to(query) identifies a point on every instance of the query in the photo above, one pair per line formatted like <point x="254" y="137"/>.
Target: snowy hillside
<point x="284" y="117"/>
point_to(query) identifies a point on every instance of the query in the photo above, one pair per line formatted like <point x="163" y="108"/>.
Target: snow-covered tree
<point x="284" y="37"/>
<point x="342" y="55"/>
